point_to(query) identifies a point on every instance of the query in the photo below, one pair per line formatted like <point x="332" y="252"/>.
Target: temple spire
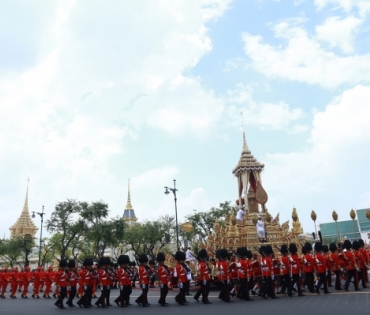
<point x="26" y="201"/>
<point x="129" y="206"/>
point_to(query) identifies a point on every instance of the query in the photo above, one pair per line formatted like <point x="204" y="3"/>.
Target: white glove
<point x="181" y="285"/>
<point x="85" y="287"/>
<point x="108" y="287"/>
<point x="69" y="288"/>
<point x="143" y="286"/>
<point x="161" y="285"/>
<point x="101" y="289"/>
<point x="204" y="282"/>
<point x="272" y="277"/>
<point x="121" y="287"/>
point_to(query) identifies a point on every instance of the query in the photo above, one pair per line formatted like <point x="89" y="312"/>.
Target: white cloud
<point x="333" y="165"/>
<point x="339" y="32"/>
<point x="363" y="6"/>
<point x="266" y="116"/>
<point x="303" y="59"/>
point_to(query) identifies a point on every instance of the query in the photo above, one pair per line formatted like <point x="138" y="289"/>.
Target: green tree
<point x="65" y="221"/>
<point x="14" y="251"/>
<point x="203" y="221"/>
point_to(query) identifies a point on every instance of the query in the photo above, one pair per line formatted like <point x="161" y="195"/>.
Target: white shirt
<point x="240" y="215"/>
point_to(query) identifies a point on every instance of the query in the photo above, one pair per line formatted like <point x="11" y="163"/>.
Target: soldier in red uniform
<point x="360" y="261"/>
<point x="14" y="282"/>
<point x="49" y="278"/>
<point x="163" y="274"/>
<point x="203" y="277"/>
<point x="5" y="276"/>
<point x="309" y="261"/>
<point x="181" y="278"/>
<point x="36" y="282"/>
<point x="87" y="278"/>
<point x="295" y="264"/>
<point x="27" y="276"/>
<point x="334" y="262"/>
<point x="244" y="268"/>
<point x="42" y="279"/>
<point x="351" y="265"/>
<point x="104" y="281"/>
<point x="61" y="281"/>
<point x="268" y="288"/>
<point x="325" y="251"/>
<point x="285" y="269"/>
<point x="365" y="258"/>
<point x="20" y="280"/>
<point x="142" y="300"/>
<point x="123" y="281"/>
<point x="320" y="264"/>
<point x="73" y="278"/>
<point x="223" y="276"/>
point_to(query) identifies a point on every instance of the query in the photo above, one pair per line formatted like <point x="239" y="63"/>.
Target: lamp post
<point x="352" y="214"/>
<point x="335" y="218"/>
<point x="167" y="191"/>
<point x="41" y="214"/>
<point x="314" y="217"/>
<point x="27" y="239"/>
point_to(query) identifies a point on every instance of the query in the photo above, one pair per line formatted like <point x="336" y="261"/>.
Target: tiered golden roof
<point x="129" y="213"/>
<point x="24" y="225"/>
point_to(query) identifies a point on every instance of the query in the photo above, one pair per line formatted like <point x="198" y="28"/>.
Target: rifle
<point x="232" y="251"/>
<point x="320" y="236"/>
<point x="261" y="252"/>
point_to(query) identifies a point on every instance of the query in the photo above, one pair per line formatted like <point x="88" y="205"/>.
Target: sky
<point x="93" y="93"/>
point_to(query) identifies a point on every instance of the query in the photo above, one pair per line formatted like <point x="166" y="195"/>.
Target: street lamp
<point x="41" y="214"/>
<point x="167" y="191"/>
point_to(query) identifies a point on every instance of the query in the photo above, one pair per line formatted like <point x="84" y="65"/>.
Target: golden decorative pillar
<point x="297" y="228"/>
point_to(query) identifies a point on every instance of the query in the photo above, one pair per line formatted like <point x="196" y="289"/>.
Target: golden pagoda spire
<point x="129" y="206"/>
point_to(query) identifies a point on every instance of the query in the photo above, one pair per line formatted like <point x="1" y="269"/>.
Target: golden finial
<point x="313" y="215"/>
<point x="352" y="214"/>
<point x="268" y="217"/>
<point x="368" y="214"/>
<point x="129" y="206"/>
<point x="335" y="216"/>
<point x="294" y="215"/>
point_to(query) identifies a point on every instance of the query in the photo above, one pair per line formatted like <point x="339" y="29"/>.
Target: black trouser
<point x="328" y="278"/>
<point x="225" y="292"/>
<point x="310" y="281"/>
<point x="361" y="276"/>
<point x="187" y="287"/>
<point x="86" y="298"/>
<point x="243" y="291"/>
<point x="296" y="280"/>
<point x="180" y="297"/>
<point x="286" y="284"/>
<point x="204" y="291"/>
<point x="351" y="274"/>
<point x="102" y="297"/>
<point x="322" y="281"/>
<point x="268" y="287"/>
<point x="62" y="296"/>
<point x="72" y="295"/>
<point x="338" y="285"/>
<point x="128" y="293"/>
<point x="107" y="296"/>
<point x="143" y="298"/>
<point x="164" y="291"/>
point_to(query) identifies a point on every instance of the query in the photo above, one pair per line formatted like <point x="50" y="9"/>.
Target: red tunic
<point x="267" y="267"/>
<point x="350" y="259"/>
<point x="320" y="263"/>
<point x="162" y="274"/>
<point x="123" y="277"/>
<point x="285" y="266"/>
<point x="72" y="278"/>
<point x="243" y="269"/>
<point x="61" y="279"/>
<point x="309" y="262"/>
<point x="334" y="261"/>
<point x="143" y="275"/>
<point x="181" y="273"/>
<point x="222" y="267"/>
<point x="295" y="264"/>
<point x="359" y="258"/>
<point x="103" y="277"/>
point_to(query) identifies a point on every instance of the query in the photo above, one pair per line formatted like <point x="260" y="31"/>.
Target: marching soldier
<point x="181" y="278"/>
<point x="244" y="269"/>
<point x="123" y="280"/>
<point x="223" y="268"/>
<point x="14" y="282"/>
<point x="27" y="276"/>
<point x="104" y="282"/>
<point x="335" y="265"/>
<point x="73" y="278"/>
<point x="203" y="277"/>
<point x="163" y="274"/>
<point x="310" y="265"/>
<point x="87" y="278"/>
<point x="365" y="259"/>
<point x="285" y="268"/>
<point x="360" y="263"/>
<point x="268" y="288"/>
<point x="61" y="281"/>
<point x="351" y="265"/>
<point x="321" y="269"/>
<point x="295" y="264"/>
<point x="142" y="300"/>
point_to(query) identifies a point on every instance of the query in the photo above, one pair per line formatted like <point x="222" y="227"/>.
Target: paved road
<point x="337" y="303"/>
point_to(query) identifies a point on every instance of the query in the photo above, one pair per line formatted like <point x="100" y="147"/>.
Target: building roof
<point x="129" y="213"/>
<point x="247" y="161"/>
<point x="24" y="224"/>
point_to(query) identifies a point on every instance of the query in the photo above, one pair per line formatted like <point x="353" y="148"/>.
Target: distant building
<point x="348" y="229"/>
<point x="24" y="224"/>
<point x="129" y="214"/>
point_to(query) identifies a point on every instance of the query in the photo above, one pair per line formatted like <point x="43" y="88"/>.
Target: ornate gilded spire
<point x="247" y="161"/>
<point x="24" y="225"/>
<point x="129" y="206"/>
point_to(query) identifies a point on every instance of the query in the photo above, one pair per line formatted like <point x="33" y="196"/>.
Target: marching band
<point x="240" y="275"/>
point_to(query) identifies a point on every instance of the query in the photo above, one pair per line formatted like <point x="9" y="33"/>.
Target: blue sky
<point x="92" y="94"/>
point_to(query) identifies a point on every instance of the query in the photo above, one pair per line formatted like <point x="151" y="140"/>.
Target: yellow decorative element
<point x="297" y="228"/>
<point x="294" y="215"/>
<point x="128" y="206"/>
<point x="313" y="215"/>
<point x="186" y="227"/>
<point x="352" y="214"/>
<point x="24" y="225"/>
<point x="335" y="216"/>
<point x="368" y="214"/>
<point x="268" y="217"/>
